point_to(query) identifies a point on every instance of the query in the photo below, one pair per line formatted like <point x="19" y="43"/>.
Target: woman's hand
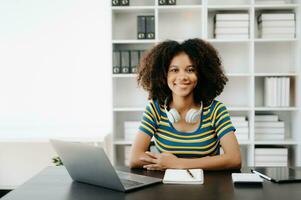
<point x="160" y="161"/>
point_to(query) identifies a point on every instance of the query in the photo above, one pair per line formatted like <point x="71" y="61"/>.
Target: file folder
<point x="125" y="2"/>
<point x="125" y="62"/>
<point x="134" y="61"/>
<point x="141" y="27"/>
<point x="116" y="62"/>
<point x="172" y="2"/>
<point x="115" y="3"/>
<point x="163" y="2"/>
<point x="150" y="27"/>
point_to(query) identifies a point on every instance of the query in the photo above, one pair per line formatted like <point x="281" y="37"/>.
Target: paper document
<point x="183" y="176"/>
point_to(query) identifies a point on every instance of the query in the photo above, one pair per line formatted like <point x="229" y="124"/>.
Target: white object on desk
<point x="246" y="178"/>
<point x="181" y="176"/>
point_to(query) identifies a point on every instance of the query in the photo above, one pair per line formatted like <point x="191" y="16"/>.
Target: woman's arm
<point x="229" y="160"/>
<point x="139" y="147"/>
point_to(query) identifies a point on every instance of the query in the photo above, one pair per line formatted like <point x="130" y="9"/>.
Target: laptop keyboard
<point x="130" y="183"/>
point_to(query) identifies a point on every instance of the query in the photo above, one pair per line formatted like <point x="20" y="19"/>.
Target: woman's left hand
<point x="160" y="161"/>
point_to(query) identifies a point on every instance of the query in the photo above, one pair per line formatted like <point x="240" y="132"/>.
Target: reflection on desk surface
<point x="55" y="183"/>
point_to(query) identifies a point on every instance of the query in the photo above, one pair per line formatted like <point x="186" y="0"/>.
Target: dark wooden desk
<point x="54" y="183"/>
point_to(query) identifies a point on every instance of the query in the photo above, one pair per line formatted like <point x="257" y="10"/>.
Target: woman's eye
<point x="173" y="70"/>
<point x="190" y="70"/>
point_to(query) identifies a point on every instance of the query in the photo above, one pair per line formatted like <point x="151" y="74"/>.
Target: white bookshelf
<point x="246" y="63"/>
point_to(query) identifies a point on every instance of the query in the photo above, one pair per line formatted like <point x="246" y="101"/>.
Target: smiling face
<point x="181" y="76"/>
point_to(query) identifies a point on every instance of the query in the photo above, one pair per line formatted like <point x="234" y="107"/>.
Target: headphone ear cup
<point x="173" y="115"/>
<point x="192" y="116"/>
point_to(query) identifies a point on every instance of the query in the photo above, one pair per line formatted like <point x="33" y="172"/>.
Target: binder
<point x="116" y="62"/>
<point x="150" y="27"/>
<point x="163" y="2"/>
<point x="125" y="62"/>
<point x="141" y="21"/>
<point x="172" y="2"/>
<point x="134" y="61"/>
<point x="115" y="3"/>
<point x="125" y="2"/>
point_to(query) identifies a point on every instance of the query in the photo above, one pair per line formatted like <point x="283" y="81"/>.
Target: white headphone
<point x="191" y="116"/>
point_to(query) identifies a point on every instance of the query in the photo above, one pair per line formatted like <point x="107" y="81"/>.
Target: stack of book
<point x="268" y="127"/>
<point x="271" y="157"/>
<point x="277" y="25"/>
<point x="277" y="91"/>
<point x="242" y="127"/>
<point x="231" y="26"/>
<point x="130" y="130"/>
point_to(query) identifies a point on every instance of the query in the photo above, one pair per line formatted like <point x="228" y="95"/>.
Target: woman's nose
<point x="183" y="75"/>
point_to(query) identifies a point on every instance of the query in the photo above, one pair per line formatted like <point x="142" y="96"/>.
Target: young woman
<point x="187" y="123"/>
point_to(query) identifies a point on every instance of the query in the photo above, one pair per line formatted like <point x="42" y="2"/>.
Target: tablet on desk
<point x="278" y="174"/>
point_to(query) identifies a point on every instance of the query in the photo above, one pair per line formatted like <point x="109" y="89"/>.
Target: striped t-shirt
<point x="215" y="123"/>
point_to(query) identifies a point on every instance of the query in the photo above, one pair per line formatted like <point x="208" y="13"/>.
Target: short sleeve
<point x="222" y="121"/>
<point x="150" y="119"/>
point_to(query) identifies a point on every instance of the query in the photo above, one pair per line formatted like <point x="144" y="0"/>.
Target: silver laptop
<point x="89" y="164"/>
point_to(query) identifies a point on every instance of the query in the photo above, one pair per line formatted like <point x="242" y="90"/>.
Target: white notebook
<point x="182" y="176"/>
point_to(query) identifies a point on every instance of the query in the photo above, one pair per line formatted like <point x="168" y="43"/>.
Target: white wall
<point x="55" y="78"/>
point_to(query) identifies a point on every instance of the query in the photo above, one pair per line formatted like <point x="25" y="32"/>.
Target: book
<point x="287" y="92"/>
<point x="276" y="16"/>
<point x="271" y="2"/>
<point x="279" y="124"/>
<point x="182" y="176"/>
<point x="266" y="118"/>
<point x="232" y="36"/>
<point x="271" y="158"/>
<point x="269" y="136"/>
<point x="278" y="23"/>
<point x="270" y="164"/>
<point x="267" y="130"/>
<point x="230" y="30"/>
<point x="232" y="17"/>
<point x="232" y="24"/>
<point x="271" y="151"/>
<point x="275" y="30"/>
<point x="278" y="35"/>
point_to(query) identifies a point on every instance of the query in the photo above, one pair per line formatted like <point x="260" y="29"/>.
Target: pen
<point x="189" y="172"/>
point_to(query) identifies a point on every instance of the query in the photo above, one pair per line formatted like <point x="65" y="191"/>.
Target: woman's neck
<point x="182" y="104"/>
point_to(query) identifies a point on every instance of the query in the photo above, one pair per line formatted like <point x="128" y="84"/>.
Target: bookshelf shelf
<point x="133" y="41"/>
<point x="130" y="9"/>
<point x="246" y="61"/>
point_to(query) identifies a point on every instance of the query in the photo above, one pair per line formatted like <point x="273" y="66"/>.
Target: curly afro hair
<point x="153" y="68"/>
